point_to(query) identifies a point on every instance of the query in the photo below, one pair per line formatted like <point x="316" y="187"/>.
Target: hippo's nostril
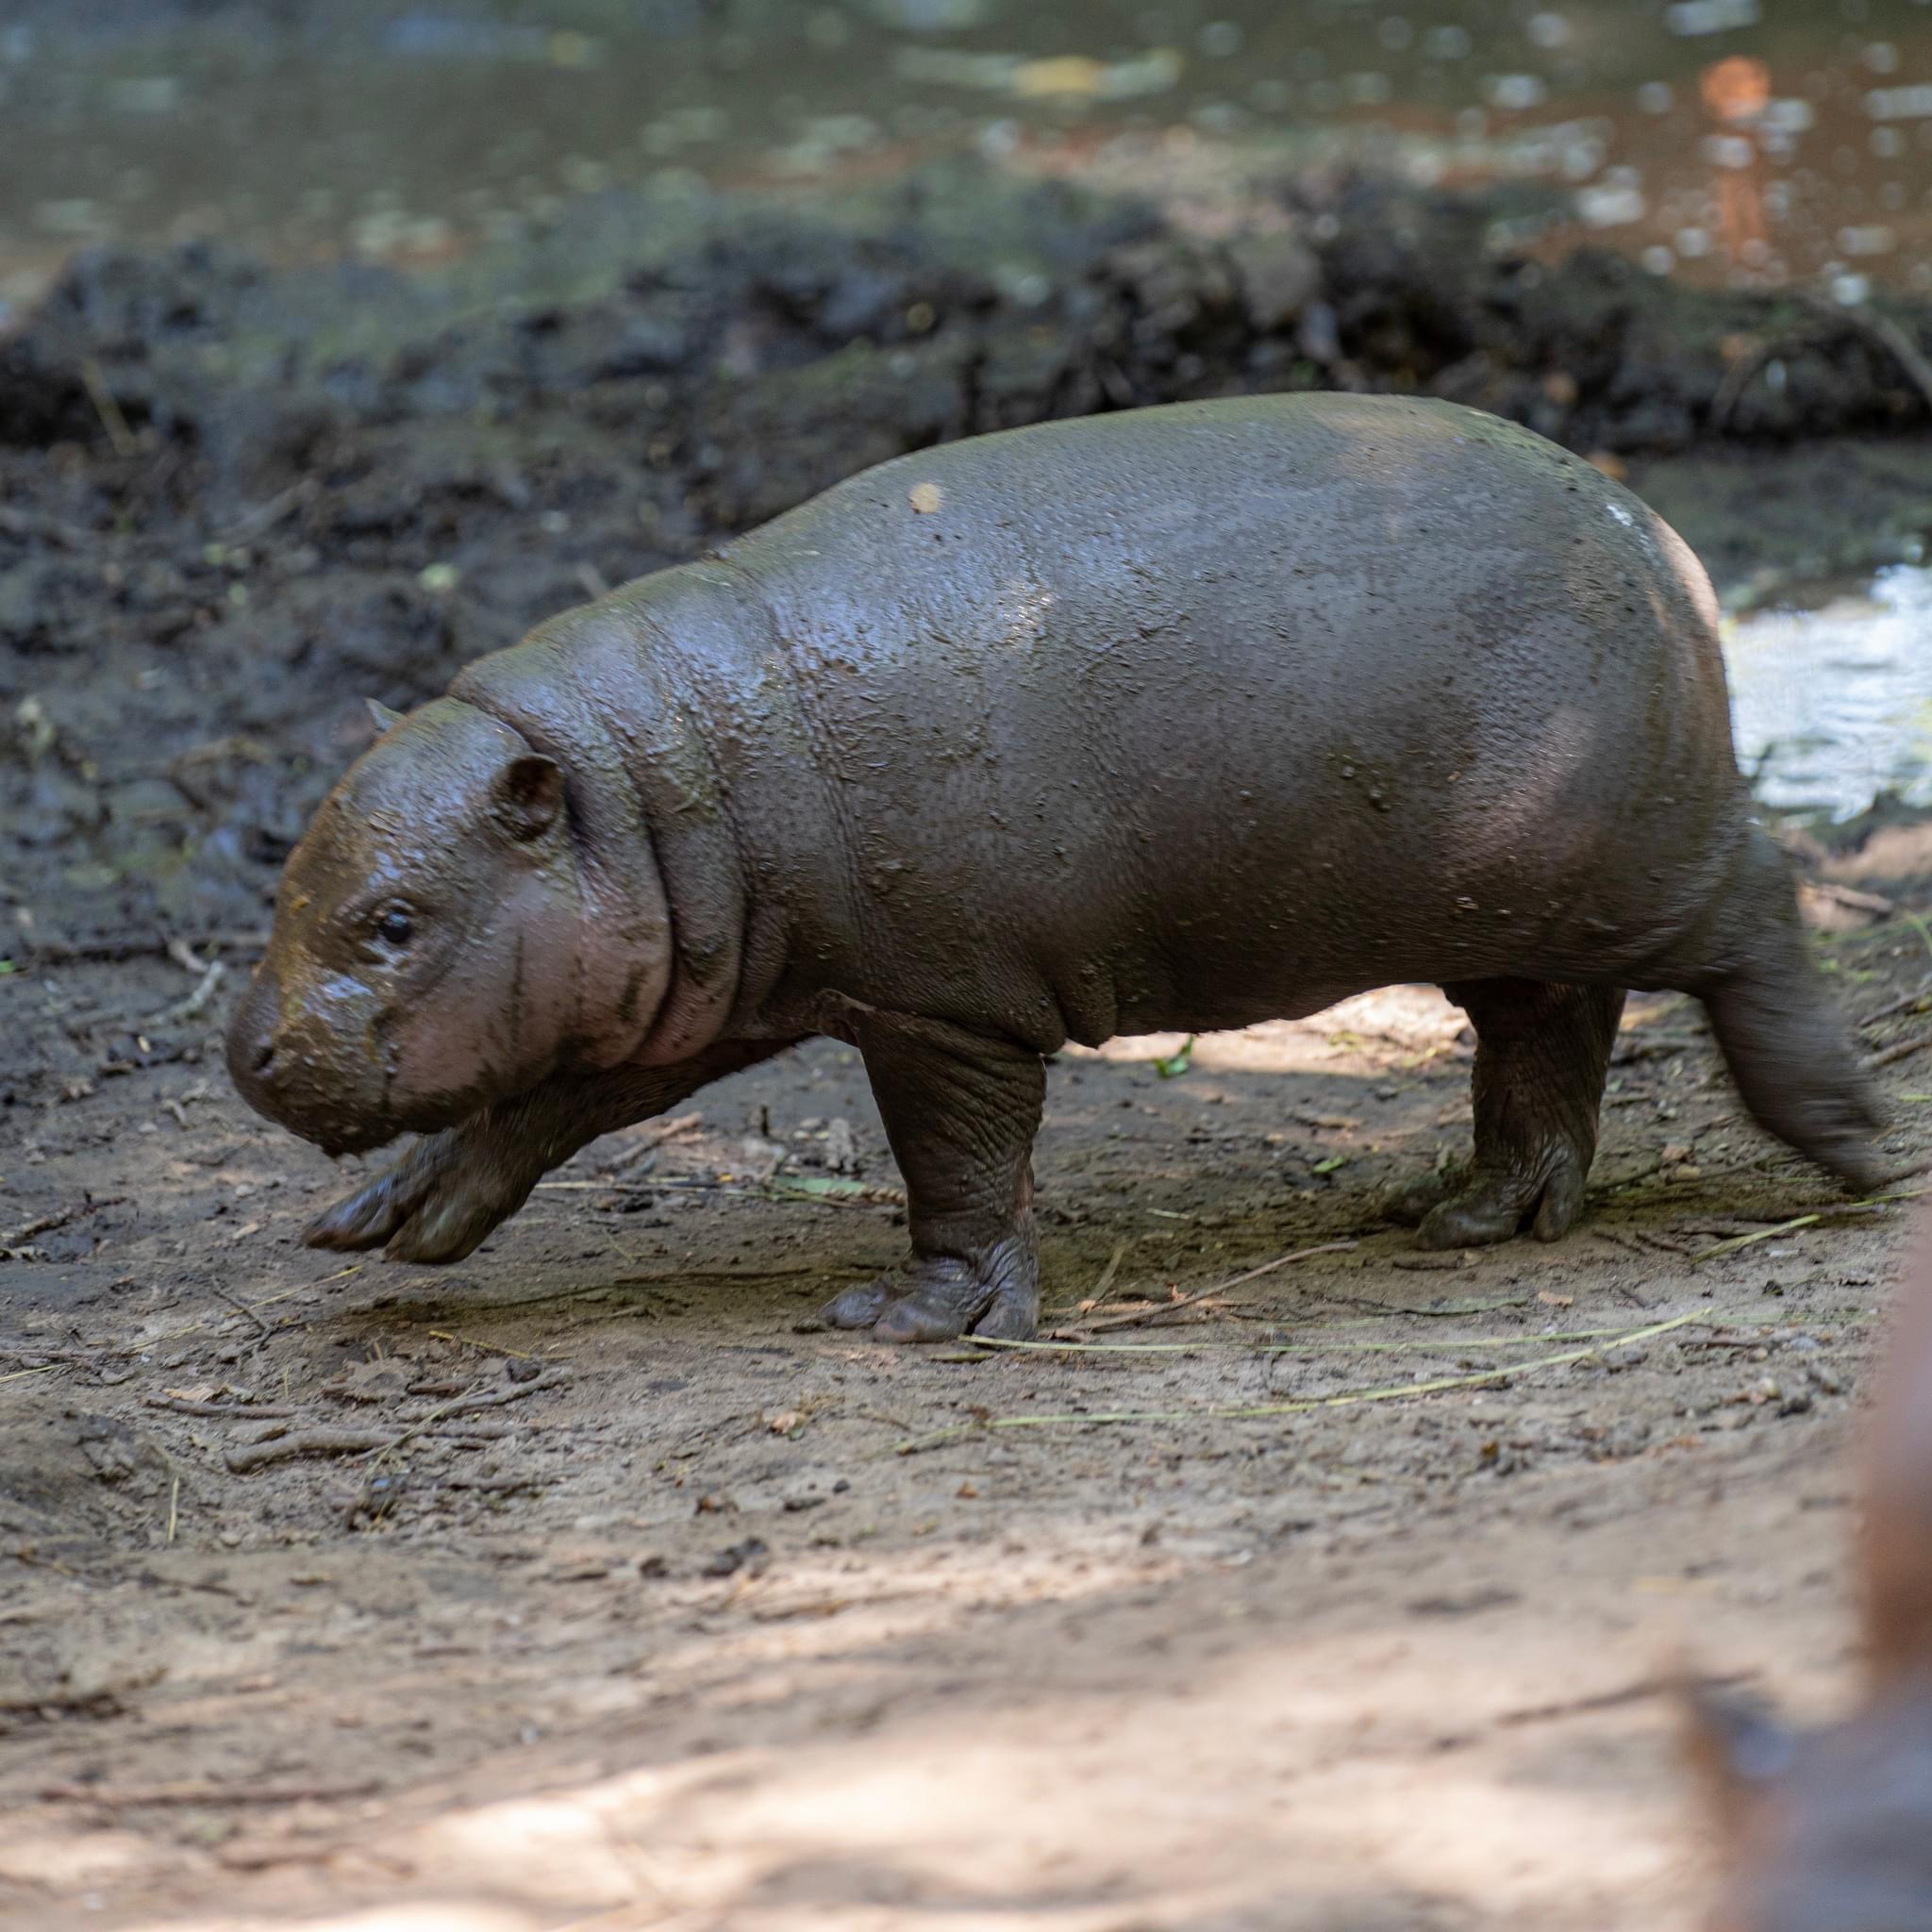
<point x="264" y="1055"/>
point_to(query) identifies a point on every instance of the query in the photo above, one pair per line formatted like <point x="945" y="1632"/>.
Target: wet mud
<point x="235" y="500"/>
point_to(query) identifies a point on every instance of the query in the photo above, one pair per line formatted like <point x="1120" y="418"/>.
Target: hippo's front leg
<point x="444" y="1196"/>
<point x="960" y="1110"/>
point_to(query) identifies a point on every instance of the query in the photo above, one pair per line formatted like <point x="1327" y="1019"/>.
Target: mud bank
<point x="234" y="500"/>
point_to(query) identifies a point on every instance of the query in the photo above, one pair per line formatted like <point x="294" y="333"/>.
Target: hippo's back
<point x="1370" y="689"/>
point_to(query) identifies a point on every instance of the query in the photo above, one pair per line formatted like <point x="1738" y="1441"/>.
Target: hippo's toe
<point x="939" y="1298"/>
<point x="858" y="1308"/>
<point x="1496" y="1206"/>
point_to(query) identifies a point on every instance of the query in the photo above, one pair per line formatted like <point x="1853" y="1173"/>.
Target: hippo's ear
<point x="526" y="796"/>
<point x="1737" y="1745"/>
<point x="381" y="716"/>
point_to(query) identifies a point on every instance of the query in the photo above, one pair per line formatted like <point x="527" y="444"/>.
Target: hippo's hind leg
<point x="1542" y="1052"/>
<point x="960" y="1112"/>
<point x="1786" y="1048"/>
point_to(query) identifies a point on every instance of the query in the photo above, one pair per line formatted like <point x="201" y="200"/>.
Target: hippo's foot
<point x="938" y="1297"/>
<point x="438" y="1203"/>
<point x="1542" y="1052"/>
<point x="1494" y="1206"/>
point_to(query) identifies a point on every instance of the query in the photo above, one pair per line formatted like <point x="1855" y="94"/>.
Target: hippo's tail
<point x="1786" y="1047"/>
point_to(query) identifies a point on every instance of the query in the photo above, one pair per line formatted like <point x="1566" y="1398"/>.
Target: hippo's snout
<point x="252" y="1045"/>
<point x="298" y="1082"/>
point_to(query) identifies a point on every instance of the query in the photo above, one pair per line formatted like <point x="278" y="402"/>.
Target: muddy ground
<point x="624" y="1596"/>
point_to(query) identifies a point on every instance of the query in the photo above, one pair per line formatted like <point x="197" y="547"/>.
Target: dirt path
<point x="642" y="1614"/>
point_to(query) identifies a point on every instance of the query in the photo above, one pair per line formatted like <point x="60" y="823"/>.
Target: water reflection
<point x="1833" y="705"/>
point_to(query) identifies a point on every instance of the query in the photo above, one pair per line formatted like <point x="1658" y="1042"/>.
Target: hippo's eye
<point x="393" y="928"/>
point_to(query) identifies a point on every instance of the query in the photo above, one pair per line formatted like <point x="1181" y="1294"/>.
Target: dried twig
<point x="191" y="1007"/>
<point x="1102" y="1288"/>
<point x="206" y="1791"/>
<point x="140" y="946"/>
<point x="49" y="1223"/>
<point x="221" y="1411"/>
<point x="1143" y="1316"/>
<point x="1903" y="1004"/>
<point x="1903" y="1050"/>
<point x="1421" y="1344"/>
<point x="1610" y="1700"/>
<point x="651" y="1136"/>
<point x="1888" y="336"/>
<point x="1878" y="330"/>
<point x="329" y="1441"/>
<point x="241" y="1308"/>
<point x="253" y="1456"/>
<point x="550" y="1378"/>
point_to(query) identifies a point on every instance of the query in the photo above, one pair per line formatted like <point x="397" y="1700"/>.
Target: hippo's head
<point x="427" y="956"/>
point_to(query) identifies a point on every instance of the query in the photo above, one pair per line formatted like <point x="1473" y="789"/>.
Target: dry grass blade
<point x="1141" y="1317"/>
<point x="1421" y="1344"/>
<point x="1266" y="1411"/>
<point x="1792" y="1226"/>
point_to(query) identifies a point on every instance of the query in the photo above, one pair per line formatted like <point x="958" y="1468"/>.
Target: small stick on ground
<point x="221" y="1411"/>
<point x="49" y="1223"/>
<point x="651" y="1136"/>
<point x="1130" y="1321"/>
<point x="241" y="1308"/>
<point x="112" y="951"/>
<point x="205" y="1792"/>
<point x="1903" y="1004"/>
<point x="550" y="1378"/>
<point x="1903" y="1050"/>
<point x="1104" y="1287"/>
<point x="254" y="1456"/>
<point x="191" y="1006"/>
<point x="324" y="1441"/>
<point x="1610" y="1700"/>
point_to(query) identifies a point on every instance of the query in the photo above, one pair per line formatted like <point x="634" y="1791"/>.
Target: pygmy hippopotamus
<point x="1833" y="1833"/>
<point x="1176" y="719"/>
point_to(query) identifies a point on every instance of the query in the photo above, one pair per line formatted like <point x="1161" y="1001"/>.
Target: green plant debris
<point x="1176" y="1064"/>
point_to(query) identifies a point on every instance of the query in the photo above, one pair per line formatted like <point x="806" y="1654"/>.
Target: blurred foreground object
<point x="1833" y="1833"/>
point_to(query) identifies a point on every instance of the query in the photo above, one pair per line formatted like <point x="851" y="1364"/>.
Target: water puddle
<point x="1717" y="140"/>
<point x="1834" y="704"/>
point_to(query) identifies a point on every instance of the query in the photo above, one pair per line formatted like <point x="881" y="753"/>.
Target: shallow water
<point x="1834" y="704"/>
<point x="1760" y="140"/>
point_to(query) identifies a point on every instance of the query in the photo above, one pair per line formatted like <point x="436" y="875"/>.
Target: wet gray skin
<point x="1833" y="1833"/>
<point x="1177" y="719"/>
